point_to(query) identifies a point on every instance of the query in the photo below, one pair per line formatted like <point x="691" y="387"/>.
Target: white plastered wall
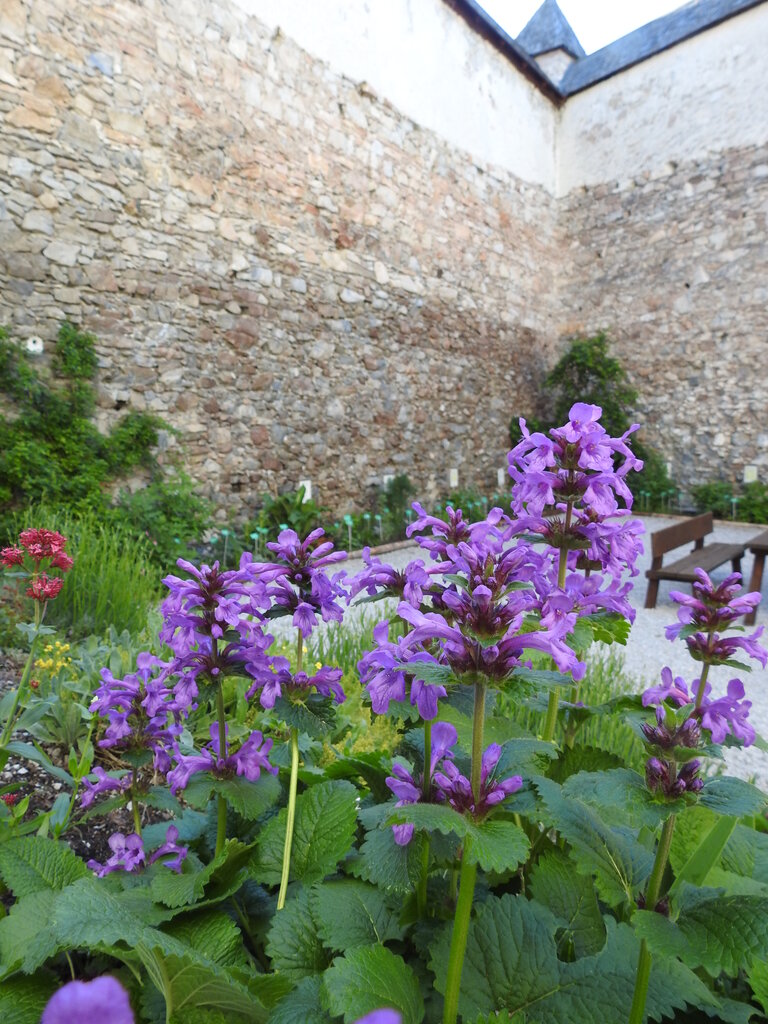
<point x="705" y="95"/>
<point x="423" y="57"/>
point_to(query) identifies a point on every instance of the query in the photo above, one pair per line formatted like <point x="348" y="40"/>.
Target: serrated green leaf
<point x="538" y="678"/>
<point x="24" y="944"/>
<point x="582" y="758"/>
<point x="326" y="817"/>
<point x="619" y="864"/>
<point x="431" y="818"/>
<point x="497" y="845"/>
<point x="621" y="797"/>
<point x="250" y="799"/>
<point x="294" y="944"/>
<point x="746" y="853"/>
<point x="373" y="978"/>
<point x="303" y="1004"/>
<point x="32" y="863"/>
<point x="511" y="963"/>
<point x="22" y="1000"/>
<point x="608" y="627"/>
<point x="383" y="862"/>
<point x="757" y="974"/>
<point x="351" y="914"/>
<point x="571" y="897"/>
<point x="713" y="931"/>
<point x="212" y="933"/>
<point x="734" y="797"/>
<point x="314" y="716"/>
<point x="429" y="672"/>
<point x="216" y="880"/>
<point x="372" y="767"/>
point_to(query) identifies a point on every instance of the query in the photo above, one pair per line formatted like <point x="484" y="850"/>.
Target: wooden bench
<point x="706" y="557"/>
<point x="759" y="548"/>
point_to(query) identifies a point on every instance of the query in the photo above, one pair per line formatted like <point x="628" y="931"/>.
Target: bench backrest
<point x="671" y="537"/>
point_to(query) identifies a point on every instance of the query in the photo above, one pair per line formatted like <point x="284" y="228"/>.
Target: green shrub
<point x="50" y="450"/>
<point x="169" y="513"/>
<point x="748" y="503"/>
<point x="714" y="496"/>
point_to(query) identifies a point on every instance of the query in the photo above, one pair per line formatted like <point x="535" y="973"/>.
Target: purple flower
<point x="409" y="791"/>
<point x="714" y="649"/>
<point x="380" y="579"/>
<point x="127" y="855"/>
<point x="666" y="777"/>
<point x="90" y="1002"/>
<point x="457" y="789"/>
<point x="727" y="714"/>
<point x="171" y="848"/>
<point x="456" y="529"/>
<point x="379" y="1017"/>
<point x="104" y="784"/>
<point x="711" y="607"/>
<point x="138" y="708"/>
<point x="249" y="760"/>
<point x="674" y="690"/>
<point x="391" y="672"/>
<point x="274" y="678"/>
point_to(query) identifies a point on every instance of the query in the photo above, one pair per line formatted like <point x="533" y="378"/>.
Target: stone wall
<point x="300" y="279"/>
<point x="673" y="266"/>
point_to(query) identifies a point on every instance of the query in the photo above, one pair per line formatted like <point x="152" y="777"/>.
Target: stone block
<point x="63" y="253"/>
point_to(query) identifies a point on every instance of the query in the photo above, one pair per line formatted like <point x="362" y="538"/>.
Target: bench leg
<point x="651" y="593"/>
<point x="755" y="583"/>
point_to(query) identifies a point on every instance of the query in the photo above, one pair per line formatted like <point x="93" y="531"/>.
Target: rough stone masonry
<point x="308" y="284"/>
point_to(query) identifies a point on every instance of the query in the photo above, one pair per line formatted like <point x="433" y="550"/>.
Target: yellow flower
<point x="48" y="647"/>
<point x="318" y="664"/>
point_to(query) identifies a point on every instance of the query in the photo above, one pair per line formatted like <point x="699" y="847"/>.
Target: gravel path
<point x="648" y="650"/>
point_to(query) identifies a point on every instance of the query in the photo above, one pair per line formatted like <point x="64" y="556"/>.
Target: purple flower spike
<point x="171" y="849"/>
<point x="381" y="1017"/>
<point x="89" y="1002"/>
<point x="728" y="714"/>
<point x="457" y="789"/>
<point x="104" y="784"/>
<point x="411" y="791"/>
<point x="250" y="760"/>
<point x="127" y="855"/>
<point x="379" y="578"/>
<point x="384" y="672"/>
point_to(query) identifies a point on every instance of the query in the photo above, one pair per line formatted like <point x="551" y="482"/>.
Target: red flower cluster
<point x="39" y="545"/>
<point x="9" y="799"/>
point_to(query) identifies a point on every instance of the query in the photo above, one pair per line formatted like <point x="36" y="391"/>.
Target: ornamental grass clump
<point x="474" y="868"/>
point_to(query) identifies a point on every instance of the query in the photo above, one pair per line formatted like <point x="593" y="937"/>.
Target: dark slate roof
<point x="549" y="30"/>
<point x="649" y="40"/>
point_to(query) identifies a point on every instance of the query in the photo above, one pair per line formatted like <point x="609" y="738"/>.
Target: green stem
<point x="461" y="920"/>
<point x="221" y="803"/>
<point x="135" y="806"/>
<point x="550" y="722"/>
<point x="289" y="822"/>
<point x="13" y="714"/>
<point x="426" y="789"/>
<point x="637" y="1013"/>
<point x="468" y="874"/>
<point x="702" y="685"/>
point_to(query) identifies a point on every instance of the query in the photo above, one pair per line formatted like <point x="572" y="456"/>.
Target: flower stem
<point x="292" y="787"/>
<point x="643" y="976"/>
<point x="221" y="803"/>
<point x="290" y="819"/>
<point x="468" y="874"/>
<point x="702" y="685"/>
<point x="13" y="713"/>
<point x="459" y="938"/>
<point x="550" y="722"/>
<point x="426" y="789"/>
<point x="135" y="805"/>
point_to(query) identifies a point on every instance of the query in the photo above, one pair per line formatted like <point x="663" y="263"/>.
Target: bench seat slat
<point x="706" y="558"/>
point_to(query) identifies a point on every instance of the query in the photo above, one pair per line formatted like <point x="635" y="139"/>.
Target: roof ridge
<point x="548" y="30"/>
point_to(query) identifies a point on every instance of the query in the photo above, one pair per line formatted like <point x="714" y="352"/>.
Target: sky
<point x="595" y="22"/>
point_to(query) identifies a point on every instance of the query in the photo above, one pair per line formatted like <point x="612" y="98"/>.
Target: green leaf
<point x="429" y="672"/>
<point x="190" y="981"/>
<point x="582" y="758"/>
<point x="23" y="943"/>
<point x="706" y="855"/>
<point x="511" y="963"/>
<point x="191" y="825"/>
<point x="351" y="914"/>
<point x="217" y="880"/>
<point x="431" y="818"/>
<point x="757" y="974"/>
<point x="713" y="931"/>
<point x="609" y="627"/>
<point x="30" y="753"/>
<point x="302" y="1005"/>
<point x="622" y="798"/>
<point x="314" y="716"/>
<point x="571" y="897"/>
<point x="746" y="853"/>
<point x="32" y="863"/>
<point x="250" y="799"/>
<point x="618" y="862"/>
<point x="22" y="1000"/>
<point x="538" y="678"/>
<point x="373" y="978"/>
<point x="326" y="817"/>
<point x="386" y="864"/>
<point x="294" y="945"/>
<point x="213" y="933"/>
<point x="497" y="845"/>
<point x="733" y="797"/>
